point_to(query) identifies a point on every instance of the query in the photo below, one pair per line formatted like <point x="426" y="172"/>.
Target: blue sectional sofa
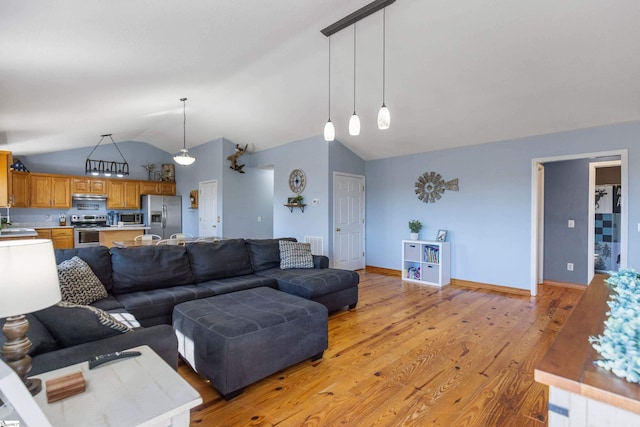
<point x="150" y="281"/>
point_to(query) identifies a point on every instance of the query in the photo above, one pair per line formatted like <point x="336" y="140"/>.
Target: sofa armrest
<point x="161" y="338"/>
<point x="320" y="261"/>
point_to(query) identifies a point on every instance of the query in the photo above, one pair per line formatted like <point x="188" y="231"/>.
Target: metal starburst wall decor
<point x="430" y="186"/>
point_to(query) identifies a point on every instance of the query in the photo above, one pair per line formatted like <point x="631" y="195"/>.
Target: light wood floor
<point x="410" y="355"/>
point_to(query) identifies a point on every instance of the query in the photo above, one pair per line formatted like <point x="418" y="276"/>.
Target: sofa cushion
<point x="41" y="339"/>
<point x="265" y="253"/>
<point x="78" y="283"/>
<point x="239" y="283"/>
<point x="295" y="255"/>
<point x="314" y="282"/>
<point x="98" y="258"/>
<point x="73" y="324"/>
<point x="156" y="306"/>
<point x="226" y="258"/>
<point x="149" y="267"/>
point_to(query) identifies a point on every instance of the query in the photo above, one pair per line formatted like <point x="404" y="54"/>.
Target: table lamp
<point x="28" y="282"/>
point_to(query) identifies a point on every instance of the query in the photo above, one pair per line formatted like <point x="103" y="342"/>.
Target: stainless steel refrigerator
<point x="163" y="214"/>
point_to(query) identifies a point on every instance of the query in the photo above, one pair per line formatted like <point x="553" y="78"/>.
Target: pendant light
<point x="182" y="157"/>
<point x="354" y="121"/>
<point x="329" y="130"/>
<point x="384" y="116"/>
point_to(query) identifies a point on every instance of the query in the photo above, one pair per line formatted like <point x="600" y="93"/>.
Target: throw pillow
<point x="73" y="324"/>
<point x="295" y="255"/>
<point x="78" y="283"/>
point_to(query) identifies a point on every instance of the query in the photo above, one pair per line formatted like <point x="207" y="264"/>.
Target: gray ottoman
<point x="239" y="338"/>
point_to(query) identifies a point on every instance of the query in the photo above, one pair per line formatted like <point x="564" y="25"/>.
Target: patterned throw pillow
<point x="295" y="255"/>
<point x="78" y="283"/>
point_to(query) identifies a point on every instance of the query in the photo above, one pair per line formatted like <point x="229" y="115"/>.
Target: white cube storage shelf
<point x="427" y="262"/>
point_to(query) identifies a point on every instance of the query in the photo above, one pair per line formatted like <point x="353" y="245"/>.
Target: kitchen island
<point x="109" y="235"/>
<point x="580" y="393"/>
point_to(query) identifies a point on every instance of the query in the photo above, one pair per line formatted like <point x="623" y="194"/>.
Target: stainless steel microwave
<point x="131" y="218"/>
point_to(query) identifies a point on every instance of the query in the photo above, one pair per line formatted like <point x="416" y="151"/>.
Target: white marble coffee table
<point x="137" y="391"/>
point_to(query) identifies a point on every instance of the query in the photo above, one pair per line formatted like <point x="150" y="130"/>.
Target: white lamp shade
<point x="183" y="158"/>
<point x="28" y="276"/>
<point x="329" y="131"/>
<point x="384" y="117"/>
<point x="354" y="125"/>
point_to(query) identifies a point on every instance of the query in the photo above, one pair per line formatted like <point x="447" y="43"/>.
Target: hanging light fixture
<point x="354" y="121"/>
<point x="182" y="157"/>
<point x="329" y="130"/>
<point x="106" y="167"/>
<point x="384" y="116"/>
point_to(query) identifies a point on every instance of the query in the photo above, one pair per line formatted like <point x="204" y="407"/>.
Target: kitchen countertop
<point x="38" y="225"/>
<point x="15" y="232"/>
<point x="123" y="228"/>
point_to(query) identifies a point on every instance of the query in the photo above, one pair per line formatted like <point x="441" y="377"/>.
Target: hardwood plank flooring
<point x="410" y="355"/>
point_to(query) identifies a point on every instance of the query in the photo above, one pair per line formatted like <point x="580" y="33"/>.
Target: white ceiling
<point x="459" y="73"/>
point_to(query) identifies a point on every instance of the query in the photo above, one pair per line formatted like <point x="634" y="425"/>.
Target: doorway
<point x="537" y="215"/>
<point x="605" y="206"/>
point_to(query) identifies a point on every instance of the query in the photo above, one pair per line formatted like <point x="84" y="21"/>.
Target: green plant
<point x="299" y="198"/>
<point x="415" y="226"/>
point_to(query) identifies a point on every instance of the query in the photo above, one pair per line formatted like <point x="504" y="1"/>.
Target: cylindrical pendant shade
<point x="384" y="117"/>
<point x="354" y="125"/>
<point x="29" y="276"/>
<point x="329" y="131"/>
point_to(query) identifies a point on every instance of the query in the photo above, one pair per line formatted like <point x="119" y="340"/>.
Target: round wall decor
<point x="297" y="181"/>
<point x="430" y="186"/>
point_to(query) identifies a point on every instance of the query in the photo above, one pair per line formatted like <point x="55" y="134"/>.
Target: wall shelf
<point x="291" y="206"/>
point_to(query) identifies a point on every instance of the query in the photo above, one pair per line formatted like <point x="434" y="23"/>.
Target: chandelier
<point x="106" y="167"/>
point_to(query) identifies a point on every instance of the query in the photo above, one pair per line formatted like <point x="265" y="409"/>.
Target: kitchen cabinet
<point x="123" y="195"/>
<point x="86" y="185"/>
<point x="158" y="188"/>
<point x="49" y="191"/>
<point x="62" y="238"/>
<point x="5" y="178"/>
<point x="20" y="189"/>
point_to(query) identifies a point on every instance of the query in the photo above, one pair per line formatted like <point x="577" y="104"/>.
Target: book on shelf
<point x="432" y="254"/>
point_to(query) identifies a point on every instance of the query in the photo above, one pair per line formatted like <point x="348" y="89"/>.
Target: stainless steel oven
<point x="83" y="237"/>
<point x="86" y="229"/>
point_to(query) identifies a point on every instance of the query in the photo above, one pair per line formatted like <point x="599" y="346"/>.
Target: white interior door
<point x="208" y="209"/>
<point x="348" y="221"/>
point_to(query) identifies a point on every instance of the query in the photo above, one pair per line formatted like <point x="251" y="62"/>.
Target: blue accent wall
<point x="489" y="219"/>
<point x="71" y="162"/>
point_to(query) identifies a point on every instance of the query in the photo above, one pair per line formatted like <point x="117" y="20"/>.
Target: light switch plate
<point x="572" y="223"/>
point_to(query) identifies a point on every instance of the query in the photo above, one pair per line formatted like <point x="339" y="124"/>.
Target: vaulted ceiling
<point x="458" y="72"/>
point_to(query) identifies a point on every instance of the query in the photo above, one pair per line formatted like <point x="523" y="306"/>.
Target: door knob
<point x="338" y="229"/>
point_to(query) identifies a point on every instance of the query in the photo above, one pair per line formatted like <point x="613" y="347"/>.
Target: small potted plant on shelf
<point x="299" y="199"/>
<point x="414" y="227"/>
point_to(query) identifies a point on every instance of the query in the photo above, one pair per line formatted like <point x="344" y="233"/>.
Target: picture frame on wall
<point x="441" y="236"/>
<point x="168" y="172"/>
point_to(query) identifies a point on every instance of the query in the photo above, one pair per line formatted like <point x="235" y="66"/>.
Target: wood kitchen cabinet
<point x="5" y="178"/>
<point x="123" y="195"/>
<point x="86" y="185"/>
<point x="158" y="188"/>
<point x="49" y="191"/>
<point x="62" y="238"/>
<point x="20" y="189"/>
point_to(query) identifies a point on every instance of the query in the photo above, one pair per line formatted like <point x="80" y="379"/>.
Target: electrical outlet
<point x="569" y="266"/>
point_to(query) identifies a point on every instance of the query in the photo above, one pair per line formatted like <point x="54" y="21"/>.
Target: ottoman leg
<point x="352" y="306"/>
<point x="317" y="356"/>
<point x="233" y="394"/>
